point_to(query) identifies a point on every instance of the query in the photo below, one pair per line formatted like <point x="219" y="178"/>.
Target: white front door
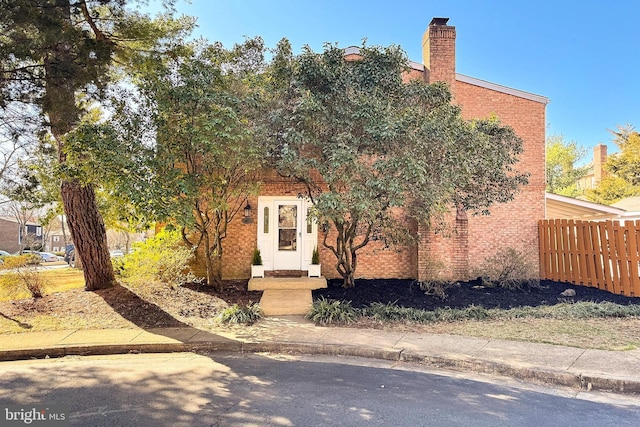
<point x="285" y="239"/>
<point x="288" y="237"/>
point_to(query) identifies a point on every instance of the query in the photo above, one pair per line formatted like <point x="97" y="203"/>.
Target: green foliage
<point x="163" y="258"/>
<point x="623" y="179"/>
<point x="561" y="171"/>
<point x="611" y="189"/>
<point x="326" y="311"/>
<point x="511" y="269"/>
<point x="243" y="315"/>
<point x="256" y="259"/>
<point x="201" y="110"/>
<point x="60" y="59"/>
<point x="365" y="143"/>
<point x="389" y="312"/>
<point x="315" y="256"/>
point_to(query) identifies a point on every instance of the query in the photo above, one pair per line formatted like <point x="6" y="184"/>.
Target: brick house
<point x="276" y="219"/>
<point x="14" y="236"/>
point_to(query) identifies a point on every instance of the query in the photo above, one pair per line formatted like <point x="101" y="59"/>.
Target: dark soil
<point x="407" y="293"/>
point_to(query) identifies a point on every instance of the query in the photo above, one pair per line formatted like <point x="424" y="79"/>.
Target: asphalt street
<point x="187" y="389"/>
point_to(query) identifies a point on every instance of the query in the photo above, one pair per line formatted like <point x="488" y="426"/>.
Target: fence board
<point x="572" y="247"/>
<point x="553" y="251"/>
<point x="583" y="254"/>
<point x="562" y="250"/>
<point x="601" y="251"/>
<point x="634" y="257"/>
<point x="601" y="254"/>
<point x="614" y="254"/>
<point x="591" y="242"/>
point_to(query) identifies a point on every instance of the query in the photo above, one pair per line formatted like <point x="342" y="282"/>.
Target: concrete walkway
<point x="617" y="371"/>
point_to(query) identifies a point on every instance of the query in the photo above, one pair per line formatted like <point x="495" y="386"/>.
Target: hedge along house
<point x="276" y="220"/>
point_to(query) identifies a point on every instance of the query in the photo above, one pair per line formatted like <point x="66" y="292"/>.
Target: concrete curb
<point x="586" y="382"/>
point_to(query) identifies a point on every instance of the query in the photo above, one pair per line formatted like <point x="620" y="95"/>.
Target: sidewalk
<point x="617" y="371"/>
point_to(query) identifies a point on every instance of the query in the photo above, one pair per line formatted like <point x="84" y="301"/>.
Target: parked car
<point x="116" y="253"/>
<point x="69" y="253"/>
<point x="2" y="255"/>
<point x="48" y="256"/>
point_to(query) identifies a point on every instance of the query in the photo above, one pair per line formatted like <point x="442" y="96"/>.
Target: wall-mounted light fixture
<point x="247" y="214"/>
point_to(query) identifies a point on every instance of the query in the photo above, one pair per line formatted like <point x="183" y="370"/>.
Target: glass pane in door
<point x="287" y="227"/>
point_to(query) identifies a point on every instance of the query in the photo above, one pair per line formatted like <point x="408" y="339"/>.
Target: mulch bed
<point x="407" y="293"/>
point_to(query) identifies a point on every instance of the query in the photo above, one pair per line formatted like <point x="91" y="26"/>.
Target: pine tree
<point x="57" y="56"/>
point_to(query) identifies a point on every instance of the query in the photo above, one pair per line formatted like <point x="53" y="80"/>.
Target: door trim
<point x="267" y="241"/>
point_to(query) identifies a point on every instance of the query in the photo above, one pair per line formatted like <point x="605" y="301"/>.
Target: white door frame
<point x="307" y="234"/>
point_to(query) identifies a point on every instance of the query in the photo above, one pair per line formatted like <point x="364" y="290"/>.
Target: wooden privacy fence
<point x="602" y="254"/>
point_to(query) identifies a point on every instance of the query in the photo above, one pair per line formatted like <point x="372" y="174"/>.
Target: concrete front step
<point x="279" y="302"/>
<point x="265" y="283"/>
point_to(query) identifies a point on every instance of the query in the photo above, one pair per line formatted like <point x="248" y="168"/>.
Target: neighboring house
<point x="596" y="169"/>
<point x="14" y="236"/>
<point x="55" y="242"/>
<point x="276" y="221"/>
<point x="563" y="207"/>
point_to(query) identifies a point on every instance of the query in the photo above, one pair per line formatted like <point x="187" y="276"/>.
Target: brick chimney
<point x="439" y="52"/>
<point x="599" y="159"/>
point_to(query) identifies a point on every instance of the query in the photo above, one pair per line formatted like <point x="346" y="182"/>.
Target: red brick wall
<point x="513" y="224"/>
<point x="374" y="261"/>
<point x="242" y="237"/>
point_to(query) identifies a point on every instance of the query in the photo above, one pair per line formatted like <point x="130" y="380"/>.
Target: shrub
<point x="315" y="256"/>
<point x="163" y="257"/>
<point x="436" y="288"/>
<point x="23" y="275"/>
<point x="243" y="315"/>
<point x="326" y="311"/>
<point x="510" y="269"/>
<point x="389" y="312"/>
<point x="20" y="261"/>
<point x="257" y="258"/>
<point x="436" y="282"/>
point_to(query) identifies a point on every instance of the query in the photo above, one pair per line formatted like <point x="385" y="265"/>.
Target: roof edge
<point x="585" y="204"/>
<point x="354" y="50"/>
<point x="504" y="89"/>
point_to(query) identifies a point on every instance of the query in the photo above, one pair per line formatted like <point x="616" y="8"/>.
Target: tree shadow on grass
<point x="18" y="322"/>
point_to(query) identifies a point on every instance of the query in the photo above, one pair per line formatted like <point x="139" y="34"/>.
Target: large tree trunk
<point x="89" y="234"/>
<point x="79" y="200"/>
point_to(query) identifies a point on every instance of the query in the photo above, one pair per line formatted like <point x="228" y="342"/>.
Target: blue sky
<point x="582" y="55"/>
